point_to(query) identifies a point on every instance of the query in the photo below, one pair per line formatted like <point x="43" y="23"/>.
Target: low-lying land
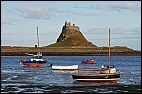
<point x="21" y="51"/>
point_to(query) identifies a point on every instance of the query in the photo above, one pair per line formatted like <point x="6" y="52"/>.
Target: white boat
<point x="111" y="70"/>
<point x="68" y="67"/>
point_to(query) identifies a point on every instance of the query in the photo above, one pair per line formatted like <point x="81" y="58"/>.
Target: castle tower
<point x="70" y="26"/>
<point x="65" y="23"/>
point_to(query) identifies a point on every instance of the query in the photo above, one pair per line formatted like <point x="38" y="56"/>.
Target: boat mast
<point x="38" y="40"/>
<point x="109" y="49"/>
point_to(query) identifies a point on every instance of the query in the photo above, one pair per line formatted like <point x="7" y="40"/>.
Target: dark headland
<point x="21" y="51"/>
<point x="70" y="42"/>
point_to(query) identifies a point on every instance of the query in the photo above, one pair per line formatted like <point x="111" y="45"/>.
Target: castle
<point x="71" y="36"/>
<point x="70" y="26"/>
<point x="67" y="30"/>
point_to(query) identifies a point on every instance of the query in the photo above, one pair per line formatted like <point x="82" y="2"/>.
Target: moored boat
<point x="36" y="60"/>
<point x="67" y="67"/>
<point x="107" y="74"/>
<point x="88" y="61"/>
<point x="96" y="77"/>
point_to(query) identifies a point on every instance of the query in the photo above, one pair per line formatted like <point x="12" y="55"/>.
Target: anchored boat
<point x="88" y="61"/>
<point x="36" y="60"/>
<point x="67" y="67"/>
<point x="109" y="74"/>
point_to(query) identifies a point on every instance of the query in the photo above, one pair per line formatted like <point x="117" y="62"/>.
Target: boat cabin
<point x="35" y="59"/>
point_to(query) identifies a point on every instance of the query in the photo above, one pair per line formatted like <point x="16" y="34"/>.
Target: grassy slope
<point x="73" y="41"/>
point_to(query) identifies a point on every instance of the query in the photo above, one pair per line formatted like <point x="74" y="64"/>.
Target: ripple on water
<point x="15" y="78"/>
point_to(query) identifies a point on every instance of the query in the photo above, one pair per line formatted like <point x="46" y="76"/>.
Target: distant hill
<point x="71" y="37"/>
<point x="21" y="50"/>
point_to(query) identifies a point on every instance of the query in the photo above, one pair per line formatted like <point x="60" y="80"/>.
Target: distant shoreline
<point x="69" y="54"/>
<point x="66" y="51"/>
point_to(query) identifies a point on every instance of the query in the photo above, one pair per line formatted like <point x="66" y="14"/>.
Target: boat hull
<point x="72" y="67"/>
<point x="26" y="63"/>
<point x="88" y="62"/>
<point x="33" y="65"/>
<point x="96" y="77"/>
<point x="32" y="62"/>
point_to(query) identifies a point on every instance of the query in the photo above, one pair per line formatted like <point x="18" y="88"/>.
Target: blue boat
<point x="36" y="60"/>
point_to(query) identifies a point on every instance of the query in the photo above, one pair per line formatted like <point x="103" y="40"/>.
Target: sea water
<point x="18" y="79"/>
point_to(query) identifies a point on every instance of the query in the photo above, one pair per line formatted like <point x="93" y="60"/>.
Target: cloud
<point x="74" y="6"/>
<point x="102" y="10"/>
<point x="7" y="20"/>
<point x="96" y="7"/>
<point x="87" y="14"/>
<point x="41" y="13"/>
<point x="127" y="31"/>
<point x="91" y="7"/>
<point x="48" y="13"/>
<point x="134" y="31"/>
<point x="101" y="30"/>
<point x="92" y="10"/>
<point x="119" y="36"/>
<point x="125" y="5"/>
<point x="36" y="12"/>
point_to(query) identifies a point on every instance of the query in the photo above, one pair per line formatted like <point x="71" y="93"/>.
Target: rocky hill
<point x="71" y="37"/>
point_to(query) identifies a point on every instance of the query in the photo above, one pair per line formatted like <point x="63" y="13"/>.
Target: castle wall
<point x="68" y="25"/>
<point x="73" y="28"/>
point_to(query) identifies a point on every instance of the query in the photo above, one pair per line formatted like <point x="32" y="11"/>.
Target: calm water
<point x="15" y="78"/>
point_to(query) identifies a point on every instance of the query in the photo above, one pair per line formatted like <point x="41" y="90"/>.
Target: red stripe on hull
<point x="113" y="81"/>
<point x="33" y="65"/>
<point x="98" y="81"/>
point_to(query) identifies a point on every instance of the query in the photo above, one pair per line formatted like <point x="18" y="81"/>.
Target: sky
<point x="19" y="21"/>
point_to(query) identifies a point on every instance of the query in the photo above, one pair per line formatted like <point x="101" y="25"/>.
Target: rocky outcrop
<point x="71" y="36"/>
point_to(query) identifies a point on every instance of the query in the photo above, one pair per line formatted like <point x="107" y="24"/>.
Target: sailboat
<point x="109" y="74"/>
<point x="36" y="60"/>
